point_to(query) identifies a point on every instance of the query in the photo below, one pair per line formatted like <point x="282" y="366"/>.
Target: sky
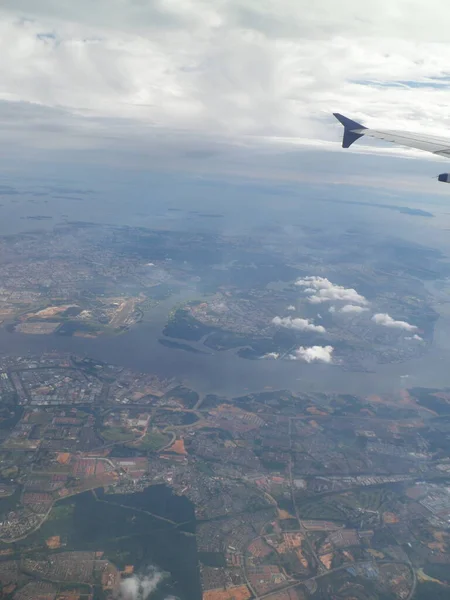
<point x="230" y="86"/>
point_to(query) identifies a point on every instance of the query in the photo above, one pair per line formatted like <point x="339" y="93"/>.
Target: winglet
<point x="350" y="135"/>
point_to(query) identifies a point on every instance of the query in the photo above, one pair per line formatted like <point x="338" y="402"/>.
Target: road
<point x="335" y="570"/>
<point x="322" y="571"/>
<point x="304" y="532"/>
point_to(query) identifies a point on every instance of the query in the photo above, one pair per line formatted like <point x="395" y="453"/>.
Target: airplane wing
<point x="353" y="131"/>
<point x="428" y="143"/>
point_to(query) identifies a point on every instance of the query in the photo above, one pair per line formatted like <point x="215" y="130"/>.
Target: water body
<point x="136" y="535"/>
<point x="245" y="211"/>
<point x="224" y="373"/>
<point x="123" y="528"/>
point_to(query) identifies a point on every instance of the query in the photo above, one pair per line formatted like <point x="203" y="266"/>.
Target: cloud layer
<point x="313" y="354"/>
<point x="247" y="71"/>
<point x="320" y="289"/>
<point x="298" y="323"/>
<point x="387" y="321"/>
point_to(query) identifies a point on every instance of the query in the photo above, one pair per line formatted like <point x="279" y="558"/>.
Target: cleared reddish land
<point x="240" y="592"/>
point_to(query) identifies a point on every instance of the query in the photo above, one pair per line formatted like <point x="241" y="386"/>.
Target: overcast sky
<point x="201" y="78"/>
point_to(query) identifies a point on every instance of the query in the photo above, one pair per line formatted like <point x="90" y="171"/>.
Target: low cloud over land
<point x="141" y="586"/>
<point x="322" y="290"/>
<point x="298" y="323"/>
<point x="272" y="355"/>
<point x="353" y="309"/>
<point x="387" y="321"/>
<point x="313" y="354"/>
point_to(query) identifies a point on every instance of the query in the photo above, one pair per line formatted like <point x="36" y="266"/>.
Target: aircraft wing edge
<point x="436" y="145"/>
<point x="350" y="135"/>
<point x="427" y="143"/>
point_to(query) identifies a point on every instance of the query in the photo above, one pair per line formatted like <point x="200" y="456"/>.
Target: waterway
<point x="225" y="373"/>
<point x="243" y="211"/>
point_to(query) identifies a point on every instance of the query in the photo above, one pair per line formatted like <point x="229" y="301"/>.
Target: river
<point x="224" y="372"/>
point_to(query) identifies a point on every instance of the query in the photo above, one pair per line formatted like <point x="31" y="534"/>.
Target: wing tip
<point x="350" y="135"/>
<point x="340" y="118"/>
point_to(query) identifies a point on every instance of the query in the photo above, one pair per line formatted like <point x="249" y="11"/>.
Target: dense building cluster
<point x="290" y="491"/>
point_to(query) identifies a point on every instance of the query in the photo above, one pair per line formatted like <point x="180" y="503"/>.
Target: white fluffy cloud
<point x="313" y="354"/>
<point x="320" y="289"/>
<point x="298" y="323"/>
<point x="291" y="308"/>
<point x="140" y="587"/>
<point x="250" y="71"/>
<point x="272" y="355"/>
<point x="353" y="309"/>
<point x="387" y="321"/>
<point x="415" y="337"/>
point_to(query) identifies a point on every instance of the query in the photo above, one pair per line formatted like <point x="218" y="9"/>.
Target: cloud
<point x="322" y="290"/>
<point x="387" y="321"/>
<point x="352" y="309"/>
<point x="272" y="355"/>
<point x="291" y="307"/>
<point x="245" y="72"/>
<point x="298" y="324"/>
<point x="313" y="354"/>
<point x="415" y="337"/>
<point x="141" y="587"/>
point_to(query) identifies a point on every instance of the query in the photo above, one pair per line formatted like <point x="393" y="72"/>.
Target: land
<point x="87" y="280"/>
<point x="292" y="495"/>
<point x="271" y="494"/>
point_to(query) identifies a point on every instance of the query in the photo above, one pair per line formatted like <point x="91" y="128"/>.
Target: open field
<point x="235" y="593"/>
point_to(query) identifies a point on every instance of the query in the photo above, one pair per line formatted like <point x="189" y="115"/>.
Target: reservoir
<point x="121" y="526"/>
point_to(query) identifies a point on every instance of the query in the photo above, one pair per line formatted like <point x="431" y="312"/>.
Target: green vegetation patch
<point x="116" y="434"/>
<point x="321" y="510"/>
<point x="61" y="511"/>
<point x="182" y="325"/>
<point x="152" y="441"/>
